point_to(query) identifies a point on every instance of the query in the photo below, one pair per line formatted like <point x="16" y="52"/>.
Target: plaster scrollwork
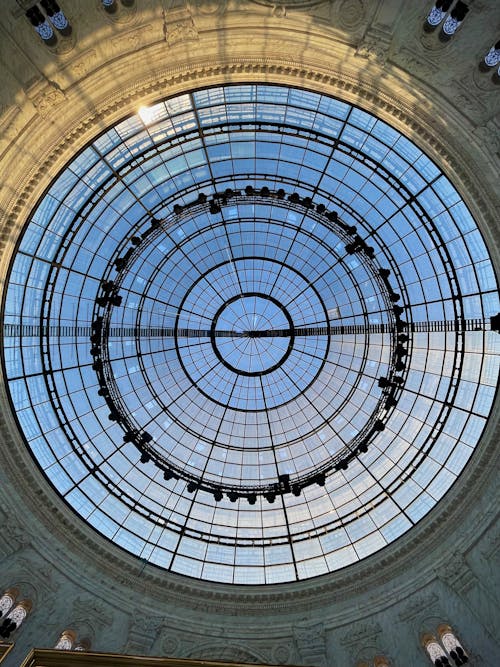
<point x="208" y="7"/>
<point x="457" y="573"/>
<point x="351" y="14"/>
<point x="14" y="537"/>
<point x="417" y="606"/>
<point x="170" y="646"/>
<point x="488" y="136"/>
<point x="375" y="46"/>
<point x="142" y="632"/>
<point x="92" y="609"/>
<point x="146" y="625"/>
<point x="420" y="67"/>
<point x="491" y="551"/>
<point x="50" y="97"/>
<point x="465" y="101"/>
<point x="84" y="64"/>
<point x="282" y="654"/>
<point x="182" y="30"/>
<point x="362" y="633"/>
<point x="133" y="39"/>
<point x="226" y="651"/>
<point x="310" y="641"/>
<point x="38" y="572"/>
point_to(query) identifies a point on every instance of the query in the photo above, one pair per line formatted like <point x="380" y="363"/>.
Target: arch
<point x="227" y="652"/>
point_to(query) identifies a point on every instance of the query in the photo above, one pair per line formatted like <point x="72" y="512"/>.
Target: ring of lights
<point x="150" y="447"/>
<point x="227" y="456"/>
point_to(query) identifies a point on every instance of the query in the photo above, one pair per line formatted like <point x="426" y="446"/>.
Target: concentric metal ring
<point x="269" y="476"/>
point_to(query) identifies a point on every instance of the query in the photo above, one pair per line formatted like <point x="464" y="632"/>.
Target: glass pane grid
<point x="311" y="409"/>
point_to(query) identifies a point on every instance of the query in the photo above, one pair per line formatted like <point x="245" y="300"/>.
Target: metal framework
<point x="293" y="336"/>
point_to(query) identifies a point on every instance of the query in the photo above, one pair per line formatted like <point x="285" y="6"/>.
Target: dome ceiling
<point x="247" y="334"/>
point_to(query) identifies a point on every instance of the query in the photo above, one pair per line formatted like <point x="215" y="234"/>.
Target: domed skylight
<point x="247" y="334"/>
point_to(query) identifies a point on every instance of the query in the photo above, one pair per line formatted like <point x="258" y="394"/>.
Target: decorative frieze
<point x="311" y="643"/>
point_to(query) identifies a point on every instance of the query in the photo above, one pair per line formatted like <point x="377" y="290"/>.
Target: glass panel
<point x="244" y="352"/>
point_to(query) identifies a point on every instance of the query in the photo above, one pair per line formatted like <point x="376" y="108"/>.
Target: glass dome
<point x="248" y="334"/>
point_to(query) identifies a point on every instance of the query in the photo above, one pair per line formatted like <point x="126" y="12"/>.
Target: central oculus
<point x="252" y="334"/>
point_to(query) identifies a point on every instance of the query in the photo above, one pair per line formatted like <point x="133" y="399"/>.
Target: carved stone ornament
<point x="208" y="7"/>
<point x="92" y="609"/>
<point x="14" y="538"/>
<point x="282" y="654"/>
<point x="133" y="39"/>
<point x="84" y="65"/>
<point x="375" y="46"/>
<point x="226" y="652"/>
<point x="414" y="64"/>
<point x="418" y="605"/>
<point x="311" y="643"/>
<point x="351" y="14"/>
<point x="489" y="135"/>
<point x="457" y="573"/>
<point x="170" y="646"/>
<point x="145" y="625"/>
<point x="361" y="634"/>
<point x="183" y="30"/>
<point x="38" y="572"/>
<point x="46" y="101"/>
<point x="491" y="551"/>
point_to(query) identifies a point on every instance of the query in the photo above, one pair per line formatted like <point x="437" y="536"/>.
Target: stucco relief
<point x="227" y="650"/>
<point x="375" y="46"/>
<point x="92" y="608"/>
<point x="415" y="64"/>
<point x="14" y="538"/>
<point x="142" y="632"/>
<point x="133" y="39"/>
<point x="351" y="14"/>
<point x="361" y="633"/>
<point x="491" y="550"/>
<point x="457" y="573"/>
<point x="170" y="645"/>
<point x="182" y="30"/>
<point x="83" y="65"/>
<point x="209" y="7"/>
<point x="310" y="640"/>
<point x="418" y="605"/>
<point x="34" y="570"/>
<point x="50" y="97"/>
<point x="281" y="654"/>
